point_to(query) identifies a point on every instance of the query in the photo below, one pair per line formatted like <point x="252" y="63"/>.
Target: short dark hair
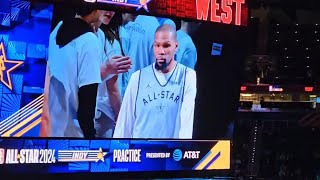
<point x="84" y="8"/>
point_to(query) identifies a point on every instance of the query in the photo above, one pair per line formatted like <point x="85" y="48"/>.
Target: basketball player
<point x="76" y="68"/>
<point x="159" y="101"/>
<point x="187" y="52"/>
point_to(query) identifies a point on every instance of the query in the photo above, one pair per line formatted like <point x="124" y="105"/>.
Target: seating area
<point x="289" y="152"/>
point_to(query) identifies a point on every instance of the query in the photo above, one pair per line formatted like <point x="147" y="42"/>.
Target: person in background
<point x="141" y="32"/>
<point x="187" y="52"/>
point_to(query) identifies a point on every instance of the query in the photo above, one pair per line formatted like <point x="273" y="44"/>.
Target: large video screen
<point x="91" y="72"/>
<point x="98" y="87"/>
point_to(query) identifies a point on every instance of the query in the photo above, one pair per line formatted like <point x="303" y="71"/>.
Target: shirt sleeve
<point x="89" y="62"/>
<point x="188" y="104"/>
<point x="126" y="118"/>
<point x="189" y="58"/>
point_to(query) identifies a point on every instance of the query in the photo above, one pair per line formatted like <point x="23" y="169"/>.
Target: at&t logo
<point x="177" y="155"/>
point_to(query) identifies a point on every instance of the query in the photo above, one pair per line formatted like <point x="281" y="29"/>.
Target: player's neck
<point x="169" y="68"/>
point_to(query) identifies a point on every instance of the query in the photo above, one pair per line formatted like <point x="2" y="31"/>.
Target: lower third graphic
<point x="81" y="155"/>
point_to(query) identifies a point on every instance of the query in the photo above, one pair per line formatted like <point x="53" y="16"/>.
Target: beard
<point x="162" y="66"/>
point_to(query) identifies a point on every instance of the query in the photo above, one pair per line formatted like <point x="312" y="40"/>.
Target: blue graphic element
<point x="28" y="144"/>
<point x="5" y="115"/>
<point x="172" y="159"/>
<point x="119" y="144"/>
<point x="17" y="83"/>
<point x="15" y="13"/>
<point x="100" y="166"/>
<point x="1" y="89"/>
<point x="177" y="155"/>
<point x="10" y="103"/>
<point x="5" y="39"/>
<point x="26" y="39"/>
<point x="96" y="144"/>
<point x="58" y="144"/>
<point x="5" y="6"/>
<point x="5" y="9"/>
<point x="39" y="144"/>
<point x="20" y="10"/>
<point x="216" y="49"/>
<point x="79" y="143"/>
<point x="212" y="160"/>
<point x="16" y="50"/>
<point x="36" y="51"/>
<point x="79" y="166"/>
<point x="42" y="11"/>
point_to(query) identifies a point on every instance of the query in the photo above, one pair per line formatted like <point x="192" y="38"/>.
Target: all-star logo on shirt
<point x="6" y="67"/>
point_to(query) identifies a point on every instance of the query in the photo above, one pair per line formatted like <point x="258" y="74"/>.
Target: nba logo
<point x="2" y="156"/>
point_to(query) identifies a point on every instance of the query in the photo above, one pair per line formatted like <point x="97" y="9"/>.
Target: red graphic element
<point x="233" y="12"/>
<point x="223" y="11"/>
<point x="308" y="89"/>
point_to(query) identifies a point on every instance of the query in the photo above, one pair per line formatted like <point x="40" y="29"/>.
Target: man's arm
<point x="126" y="118"/>
<point x="88" y="79"/>
<point x="114" y="94"/>
<point x="45" y="121"/>
<point x="187" y="108"/>
<point x="87" y="103"/>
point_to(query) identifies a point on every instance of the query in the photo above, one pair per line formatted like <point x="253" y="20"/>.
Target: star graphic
<point x="6" y="66"/>
<point x="18" y="156"/>
<point x="161" y="107"/>
<point x="144" y="4"/>
<point x="100" y="155"/>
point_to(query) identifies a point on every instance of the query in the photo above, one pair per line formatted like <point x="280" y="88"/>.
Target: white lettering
<point x="127" y="155"/>
<point x="191" y="155"/>
<point x="79" y="155"/>
<point x="156" y="155"/>
<point x="30" y="156"/>
<point x="11" y="156"/>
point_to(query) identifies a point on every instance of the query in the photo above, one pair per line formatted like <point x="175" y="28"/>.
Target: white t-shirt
<point x="127" y="121"/>
<point x="187" y="52"/>
<point x="75" y="65"/>
<point x="103" y="100"/>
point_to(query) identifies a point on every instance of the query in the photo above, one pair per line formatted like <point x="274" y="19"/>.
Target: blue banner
<point x="74" y="156"/>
